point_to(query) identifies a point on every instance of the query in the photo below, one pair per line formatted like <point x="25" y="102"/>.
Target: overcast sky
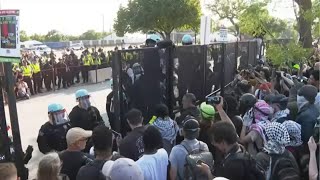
<point x="77" y="16"/>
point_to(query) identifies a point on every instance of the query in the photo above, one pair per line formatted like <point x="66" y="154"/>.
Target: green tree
<point x="230" y="10"/>
<point x="160" y="16"/>
<point x="92" y="35"/>
<point x="305" y="19"/>
<point x="37" y="37"/>
<point x="24" y="36"/>
<point x="54" y="36"/>
<point x="256" y="20"/>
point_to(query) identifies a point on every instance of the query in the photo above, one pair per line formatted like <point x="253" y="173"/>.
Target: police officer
<point x="52" y="135"/>
<point x="87" y="61"/>
<point x="61" y="69"/>
<point x="37" y="79"/>
<point x="27" y="74"/>
<point x="152" y="40"/>
<point x="187" y="40"/>
<point x="48" y="74"/>
<point x="75" y="67"/>
<point x="84" y="115"/>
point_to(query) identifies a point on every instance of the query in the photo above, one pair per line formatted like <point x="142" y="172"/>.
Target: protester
<point x="189" y="108"/>
<point x="283" y="164"/>
<point x="52" y="135"/>
<point x="167" y="127"/>
<point x="49" y="168"/>
<point x="132" y="145"/>
<point x="102" y="142"/>
<point x="278" y="104"/>
<point x="8" y="171"/>
<point x="73" y="159"/>
<point x="294" y="130"/>
<point x="122" y="169"/>
<point x="154" y="162"/>
<point x="313" y="167"/>
<point x="84" y="115"/>
<point x="308" y="113"/>
<point x="189" y="145"/>
<point x="237" y="163"/>
<point x="207" y="113"/>
<point x="314" y="81"/>
<point x="254" y="122"/>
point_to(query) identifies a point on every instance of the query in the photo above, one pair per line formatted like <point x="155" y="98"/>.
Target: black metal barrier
<point x="154" y="75"/>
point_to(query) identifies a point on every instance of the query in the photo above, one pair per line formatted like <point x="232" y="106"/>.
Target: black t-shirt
<point x="84" y="119"/>
<point x="72" y="162"/>
<point x="91" y="171"/>
<point x="132" y="145"/>
<point x="231" y="168"/>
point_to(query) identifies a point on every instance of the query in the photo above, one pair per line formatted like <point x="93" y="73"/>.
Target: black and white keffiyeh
<point x="294" y="130"/>
<point x="277" y="138"/>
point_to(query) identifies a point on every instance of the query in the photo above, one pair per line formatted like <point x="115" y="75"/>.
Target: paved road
<point x="32" y="113"/>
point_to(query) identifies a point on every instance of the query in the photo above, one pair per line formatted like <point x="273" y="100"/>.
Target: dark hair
<point x="102" y="138"/>
<point x="161" y="110"/>
<point x="191" y="97"/>
<point x="223" y="131"/>
<point x="134" y="116"/>
<point x="266" y="72"/>
<point x="315" y="74"/>
<point x="152" y="138"/>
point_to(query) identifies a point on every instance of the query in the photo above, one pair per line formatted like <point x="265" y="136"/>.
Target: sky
<point x="67" y="16"/>
<point x="77" y="16"/>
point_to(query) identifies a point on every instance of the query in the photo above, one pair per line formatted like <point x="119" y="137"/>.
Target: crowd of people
<point x="266" y="126"/>
<point x="54" y="72"/>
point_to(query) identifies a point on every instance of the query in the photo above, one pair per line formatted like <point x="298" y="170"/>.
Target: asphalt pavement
<point x="33" y="113"/>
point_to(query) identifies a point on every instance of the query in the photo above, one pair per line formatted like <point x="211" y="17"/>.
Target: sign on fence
<point x="10" y="41"/>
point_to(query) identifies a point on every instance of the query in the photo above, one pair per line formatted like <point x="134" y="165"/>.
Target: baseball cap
<point x="122" y="168"/>
<point x="75" y="134"/>
<point x="207" y="111"/>
<point x="191" y="125"/>
<point x="279" y="98"/>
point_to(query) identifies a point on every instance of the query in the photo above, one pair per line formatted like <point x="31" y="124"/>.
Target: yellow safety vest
<point x="97" y="61"/>
<point x="26" y="71"/>
<point x="88" y="60"/>
<point x="15" y="66"/>
<point x="36" y="67"/>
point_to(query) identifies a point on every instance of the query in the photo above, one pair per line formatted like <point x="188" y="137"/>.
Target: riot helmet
<point x="83" y="97"/>
<point x="152" y="40"/>
<point x="247" y="101"/>
<point x="57" y="114"/>
<point x="187" y="40"/>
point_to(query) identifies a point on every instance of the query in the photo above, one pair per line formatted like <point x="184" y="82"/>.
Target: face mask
<point x="301" y="101"/>
<point x="85" y="103"/>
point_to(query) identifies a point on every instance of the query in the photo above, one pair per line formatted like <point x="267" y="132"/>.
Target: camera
<point x="213" y="100"/>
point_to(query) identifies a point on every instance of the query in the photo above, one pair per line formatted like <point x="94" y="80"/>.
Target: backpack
<point x="281" y="167"/>
<point x="253" y="170"/>
<point x="191" y="171"/>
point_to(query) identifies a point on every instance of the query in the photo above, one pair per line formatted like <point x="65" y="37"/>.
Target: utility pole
<point x="102" y="23"/>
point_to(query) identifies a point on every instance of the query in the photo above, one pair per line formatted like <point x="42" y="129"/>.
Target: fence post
<point x="117" y="90"/>
<point x="3" y="126"/>
<point x="22" y="171"/>
<point x="222" y="51"/>
<point x="169" y="88"/>
<point x="248" y="59"/>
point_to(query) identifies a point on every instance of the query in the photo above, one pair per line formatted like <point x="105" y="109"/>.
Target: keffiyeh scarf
<point x="280" y="114"/>
<point x="167" y="127"/>
<point x="277" y="138"/>
<point x="294" y="130"/>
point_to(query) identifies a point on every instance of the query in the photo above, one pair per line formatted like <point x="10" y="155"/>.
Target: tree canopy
<point x="56" y="36"/>
<point x="159" y="16"/>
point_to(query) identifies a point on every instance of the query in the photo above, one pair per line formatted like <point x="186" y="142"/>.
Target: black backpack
<point x="191" y="171"/>
<point x="253" y="170"/>
<point x="282" y="167"/>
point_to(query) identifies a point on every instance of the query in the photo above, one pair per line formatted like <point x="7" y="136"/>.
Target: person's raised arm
<point x="313" y="169"/>
<point x="222" y="113"/>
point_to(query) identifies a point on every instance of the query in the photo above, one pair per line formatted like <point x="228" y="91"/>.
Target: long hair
<point x="49" y="167"/>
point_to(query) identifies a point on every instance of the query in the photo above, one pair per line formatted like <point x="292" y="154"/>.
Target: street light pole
<point x="102" y="23"/>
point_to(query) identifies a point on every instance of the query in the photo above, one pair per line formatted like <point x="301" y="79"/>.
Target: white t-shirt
<point x="154" y="166"/>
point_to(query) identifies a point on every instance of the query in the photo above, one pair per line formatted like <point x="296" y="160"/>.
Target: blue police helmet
<point x="153" y="37"/>
<point x="187" y="39"/>
<point x="82" y="93"/>
<point x="54" y="107"/>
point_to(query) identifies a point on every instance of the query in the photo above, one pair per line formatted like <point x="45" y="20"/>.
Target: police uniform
<point x="37" y="79"/>
<point x="52" y="138"/>
<point x="27" y="73"/>
<point x="87" y="62"/>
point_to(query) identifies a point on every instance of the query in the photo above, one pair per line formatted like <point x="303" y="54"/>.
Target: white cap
<point x="75" y="134"/>
<point x="122" y="168"/>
